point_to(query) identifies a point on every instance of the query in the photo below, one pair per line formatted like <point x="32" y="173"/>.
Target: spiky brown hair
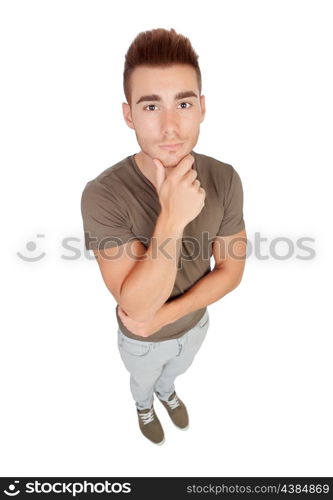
<point x="158" y="47"/>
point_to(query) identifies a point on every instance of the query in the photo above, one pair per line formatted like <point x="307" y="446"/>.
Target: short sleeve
<point x="105" y="220"/>
<point x="233" y="221"/>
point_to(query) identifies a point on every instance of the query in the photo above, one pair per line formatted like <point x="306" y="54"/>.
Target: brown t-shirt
<point x="121" y="204"/>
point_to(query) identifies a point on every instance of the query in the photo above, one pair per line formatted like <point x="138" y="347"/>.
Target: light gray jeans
<point x="155" y="365"/>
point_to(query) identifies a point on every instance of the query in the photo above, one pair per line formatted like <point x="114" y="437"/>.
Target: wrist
<point x="169" y="223"/>
<point x="168" y="313"/>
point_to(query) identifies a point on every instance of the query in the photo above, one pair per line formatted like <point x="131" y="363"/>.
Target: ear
<point x="203" y="107"/>
<point x="127" y="115"/>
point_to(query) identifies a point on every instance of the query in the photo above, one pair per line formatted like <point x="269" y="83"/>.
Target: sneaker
<point x="150" y="425"/>
<point x="177" y="411"/>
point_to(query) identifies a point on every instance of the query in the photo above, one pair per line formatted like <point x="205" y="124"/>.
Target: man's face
<point x="165" y="118"/>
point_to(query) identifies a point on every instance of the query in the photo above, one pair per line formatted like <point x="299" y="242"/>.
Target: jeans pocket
<point x="204" y="320"/>
<point x="198" y="334"/>
<point x="133" y="347"/>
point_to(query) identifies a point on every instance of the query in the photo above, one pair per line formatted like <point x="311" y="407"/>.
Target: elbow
<point x="237" y="275"/>
<point x="236" y="284"/>
<point x="234" y="277"/>
<point x="237" y="281"/>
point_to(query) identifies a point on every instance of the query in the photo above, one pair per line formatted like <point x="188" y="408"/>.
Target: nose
<point x="169" y="122"/>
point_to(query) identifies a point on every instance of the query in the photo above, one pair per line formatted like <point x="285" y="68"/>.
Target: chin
<point x="172" y="158"/>
<point x="171" y="162"/>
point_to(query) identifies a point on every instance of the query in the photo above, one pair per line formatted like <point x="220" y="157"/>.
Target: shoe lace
<point x="174" y="402"/>
<point x="147" y="417"/>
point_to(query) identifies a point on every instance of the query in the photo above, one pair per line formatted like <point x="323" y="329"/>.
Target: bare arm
<point x="142" y="283"/>
<point x="150" y="282"/>
<point x="229" y="253"/>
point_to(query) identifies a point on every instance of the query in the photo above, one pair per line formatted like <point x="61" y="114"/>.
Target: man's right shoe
<point x="150" y="425"/>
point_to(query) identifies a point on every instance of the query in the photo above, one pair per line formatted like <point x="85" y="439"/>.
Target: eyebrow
<point x="155" y="97"/>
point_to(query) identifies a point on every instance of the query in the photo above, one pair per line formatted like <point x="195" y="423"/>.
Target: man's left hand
<point x="143" y="328"/>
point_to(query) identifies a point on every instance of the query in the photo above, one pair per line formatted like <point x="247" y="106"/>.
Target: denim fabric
<point x="153" y="366"/>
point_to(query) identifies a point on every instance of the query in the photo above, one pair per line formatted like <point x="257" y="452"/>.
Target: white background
<point x="259" y="392"/>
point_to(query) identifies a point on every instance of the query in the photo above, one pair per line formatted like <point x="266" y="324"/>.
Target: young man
<point x="154" y="219"/>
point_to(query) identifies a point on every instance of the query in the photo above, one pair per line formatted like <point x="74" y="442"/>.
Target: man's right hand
<point x="180" y="194"/>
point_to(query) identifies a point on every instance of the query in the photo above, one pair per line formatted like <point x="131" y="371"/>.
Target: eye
<point x="149" y="105"/>
<point x="186" y="103"/>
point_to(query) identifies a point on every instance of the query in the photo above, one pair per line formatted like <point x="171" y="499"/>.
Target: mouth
<point x="171" y="146"/>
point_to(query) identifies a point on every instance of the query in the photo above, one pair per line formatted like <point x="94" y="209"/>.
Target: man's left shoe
<point x="177" y="411"/>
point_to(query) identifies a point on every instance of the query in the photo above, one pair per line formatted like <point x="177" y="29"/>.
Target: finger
<point x="160" y="173"/>
<point x="183" y="166"/>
